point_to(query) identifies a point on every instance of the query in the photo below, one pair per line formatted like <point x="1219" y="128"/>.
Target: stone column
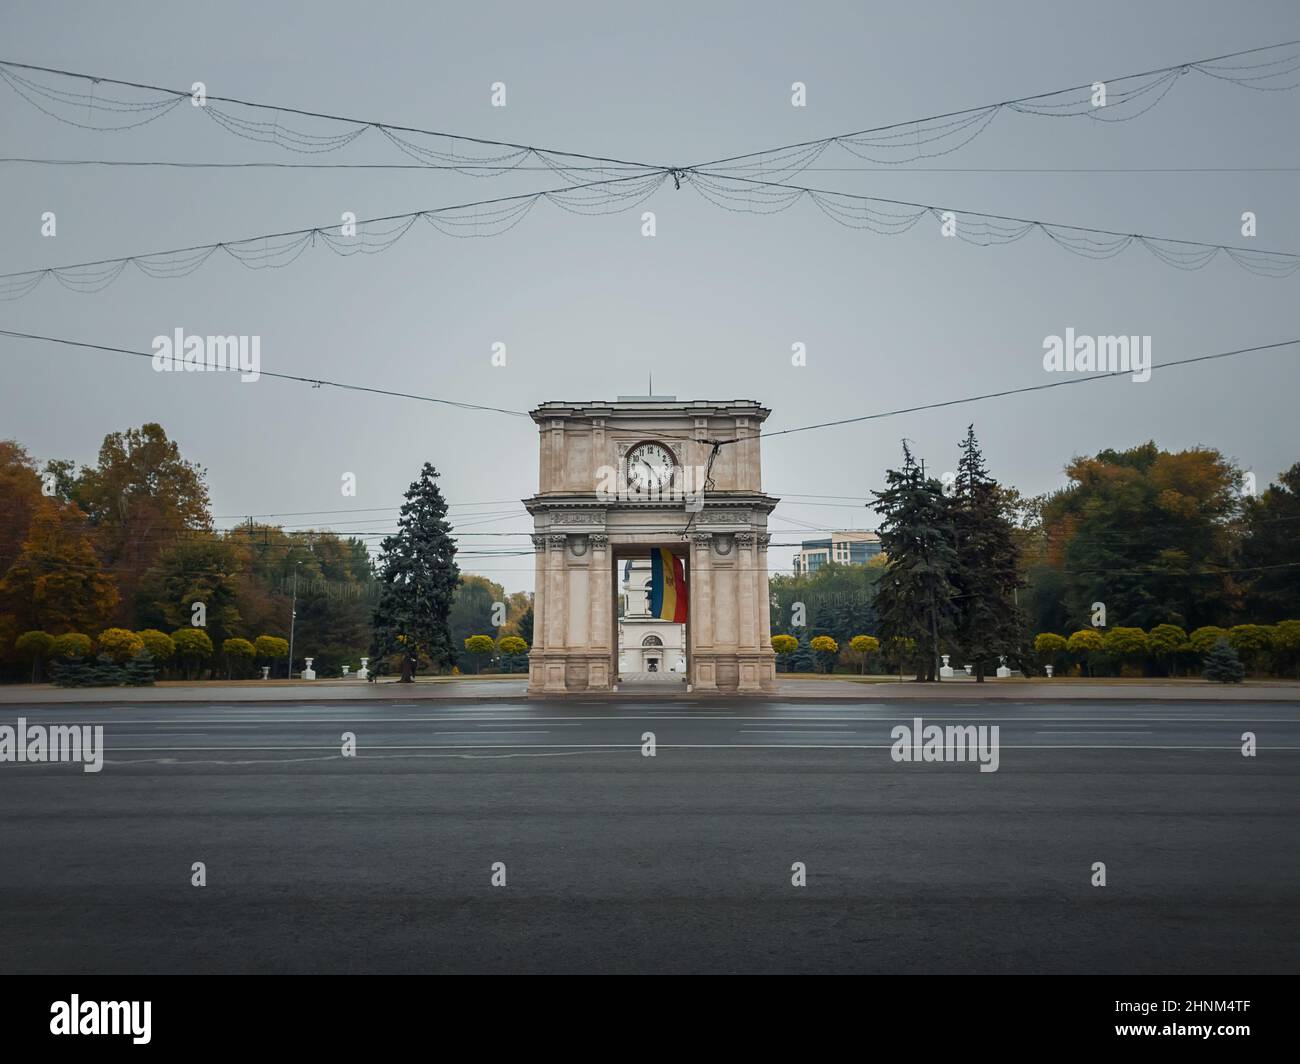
<point x="703" y="668"/>
<point x="600" y="663"/>
<point x="748" y="664"/>
<point x="556" y="615"/>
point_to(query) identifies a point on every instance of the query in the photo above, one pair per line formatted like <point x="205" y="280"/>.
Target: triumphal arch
<point x="651" y="477"/>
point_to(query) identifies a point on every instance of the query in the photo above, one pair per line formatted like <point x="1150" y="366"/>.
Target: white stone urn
<point x="363" y="673"/>
<point x="308" y="673"/>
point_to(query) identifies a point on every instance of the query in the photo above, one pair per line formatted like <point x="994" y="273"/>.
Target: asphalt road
<point x="681" y="862"/>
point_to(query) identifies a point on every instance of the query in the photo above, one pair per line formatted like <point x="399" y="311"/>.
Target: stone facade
<point x="709" y="508"/>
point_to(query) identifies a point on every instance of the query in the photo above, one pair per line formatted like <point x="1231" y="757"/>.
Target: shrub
<point x="1050" y="648"/>
<point x="34" y="645"/>
<point x="1129" y="646"/>
<point x="1166" y="642"/>
<point x="238" y="654"/>
<point x="1203" y="639"/>
<point x="270" y="649"/>
<point x="159" y="644"/>
<point x="120" y="644"/>
<point x="1252" y="642"/>
<point x="825" y="648"/>
<point x="193" y="647"/>
<point x="864" y="646"/>
<point x="70" y="645"/>
<point x="479" y="646"/>
<point x="1085" y="644"/>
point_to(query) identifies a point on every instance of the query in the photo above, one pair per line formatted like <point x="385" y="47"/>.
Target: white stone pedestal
<point x="308" y="673"/>
<point x="1003" y="671"/>
<point x="363" y="673"/>
<point x="266" y="672"/>
<point x="346" y="669"/>
<point x="945" y="670"/>
<point x="1049" y="672"/>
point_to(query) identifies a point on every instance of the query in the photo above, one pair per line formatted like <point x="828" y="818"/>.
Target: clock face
<point x="649" y="467"/>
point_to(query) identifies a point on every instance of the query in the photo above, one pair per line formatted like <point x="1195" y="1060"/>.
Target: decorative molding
<point x="598" y="541"/>
<point x="556" y="542"/>
<point x="578" y="517"/>
<point x="723" y="543"/>
<point x="578" y="546"/>
<point x="745" y="540"/>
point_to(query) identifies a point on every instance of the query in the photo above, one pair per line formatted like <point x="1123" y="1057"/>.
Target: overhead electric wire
<point x="771" y="197"/>
<point x="1028" y="388"/>
<point x="974" y="114"/>
<point x="762" y="435"/>
<point x="95" y="275"/>
<point x="315" y="381"/>
<point x="361" y="124"/>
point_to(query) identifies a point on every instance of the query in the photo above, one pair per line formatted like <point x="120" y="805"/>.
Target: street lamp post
<point x="293" y="616"/>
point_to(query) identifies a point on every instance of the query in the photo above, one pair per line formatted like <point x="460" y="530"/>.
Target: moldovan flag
<point x="668" y="592"/>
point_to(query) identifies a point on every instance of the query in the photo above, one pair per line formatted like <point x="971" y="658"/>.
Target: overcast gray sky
<point x="711" y="304"/>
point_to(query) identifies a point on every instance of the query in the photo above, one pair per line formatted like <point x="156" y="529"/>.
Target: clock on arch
<point x="650" y="467"/>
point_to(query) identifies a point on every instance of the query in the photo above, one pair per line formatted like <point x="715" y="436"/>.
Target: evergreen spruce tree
<point x="140" y="670"/>
<point x="915" y="595"/>
<point x="72" y="671"/>
<point x="105" y="672"/>
<point x="1222" y="664"/>
<point x="802" y="658"/>
<point x="417" y="574"/>
<point x="988" y="621"/>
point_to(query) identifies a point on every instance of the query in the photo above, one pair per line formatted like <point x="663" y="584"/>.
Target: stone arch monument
<point x="622" y="479"/>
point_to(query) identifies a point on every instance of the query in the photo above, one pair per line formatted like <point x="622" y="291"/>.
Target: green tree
<point x="159" y="645"/>
<point x="1050" y="648"/>
<point x="71" y="644"/>
<point x="1203" y="639"/>
<point x="271" y="649"/>
<point x="479" y="646"/>
<point x="1252" y="642"/>
<point x="472" y="607"/>
<point x="1222" y="664"/>
<point x="915" y="599"/>
<point x="239" y="654"/>
<point x="197" y="569"/>
<point x="1270" y="549"/>
<point x="36" y="646"/>
<point x="1128" y="646"/>
<point x="418" y="577"/>
<point x="898" y="651"/>
<point x="988" y="623"/>
<point x="1286" y="641"/>
<point x="825" y="648"/>
<point x="193" y="648"/>
<point x="1085" y="645"/>
<point x="514" y="653"/>
<point x="1148" y="532"/>
<point x="120" y="644"/>
<point x="140" y="670"/>
<point x="1167" y="642"/>
<point x="72" y="670"/>
<point x="524" y="626"/>
<point x="863" y="646"/>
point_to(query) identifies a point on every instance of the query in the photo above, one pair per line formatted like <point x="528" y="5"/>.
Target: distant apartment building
<point x="844" y="548"/>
